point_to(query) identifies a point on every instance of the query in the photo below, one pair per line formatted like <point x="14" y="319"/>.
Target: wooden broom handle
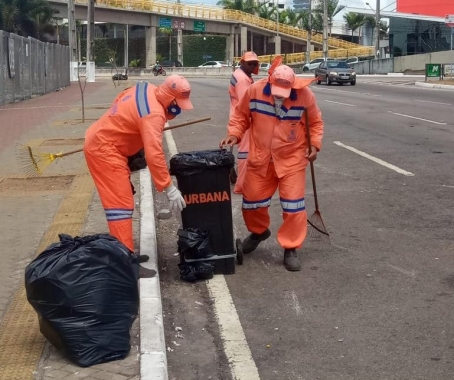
<point x="189" y="122"/>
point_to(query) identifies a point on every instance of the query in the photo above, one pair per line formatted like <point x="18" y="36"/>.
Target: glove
<point x="175" y="198"/>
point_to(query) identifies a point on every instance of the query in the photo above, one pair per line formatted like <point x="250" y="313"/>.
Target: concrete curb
<point x="430" y="85"/>
<point x="153" y="358"/>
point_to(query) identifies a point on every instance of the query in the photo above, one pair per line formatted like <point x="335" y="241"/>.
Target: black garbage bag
<point x="193" y="243"/>
<point x="199" y="270"/>
<point x="120" y="77"/>
<point x="190" y="163"/>
<point x="137" y="161"/>
<point x="85" y="292"/>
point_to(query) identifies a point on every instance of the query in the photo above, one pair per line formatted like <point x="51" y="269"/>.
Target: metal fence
<point x="29" y="67"/>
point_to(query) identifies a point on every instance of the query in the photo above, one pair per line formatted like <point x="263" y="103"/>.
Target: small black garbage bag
<point x="199" y="270"/>
<point x="85" y="292"/>
<point x="194" y="243"/>
<point x="137" y="161"/>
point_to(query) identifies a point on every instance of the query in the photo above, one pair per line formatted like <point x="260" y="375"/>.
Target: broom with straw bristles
<point x="33" y="164"/>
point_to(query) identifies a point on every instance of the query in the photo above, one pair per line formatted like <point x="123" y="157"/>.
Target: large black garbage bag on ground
<point x="85" y="292"/>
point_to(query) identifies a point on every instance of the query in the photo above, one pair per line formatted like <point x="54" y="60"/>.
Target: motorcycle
<point x="159" y="70"/>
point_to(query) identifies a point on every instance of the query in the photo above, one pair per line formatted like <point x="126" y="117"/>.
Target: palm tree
<point x="23" y="17"/>
<point x="317" y="22"/>
<point x="354" y="21"/>
<point x="247" y="6"/>
<point x="333" y="9"/>
<point x="263" y="10"/>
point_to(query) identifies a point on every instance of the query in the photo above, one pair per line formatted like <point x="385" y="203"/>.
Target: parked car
<point x="312" y="65"/>
<point x="264" y="66"/>
<point x="352" y="60"/>
<point x="171" y="64"/>
<point x="214" y="64"/>
<point x="335" y="71"/>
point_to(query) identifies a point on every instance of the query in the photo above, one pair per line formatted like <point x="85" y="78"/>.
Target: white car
<point x="214" y="64"/>
<point x="264" y="66"/>
<point x="312" y="65"/>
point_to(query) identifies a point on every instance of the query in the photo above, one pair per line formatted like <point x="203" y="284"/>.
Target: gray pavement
<point x="375" y="305"/>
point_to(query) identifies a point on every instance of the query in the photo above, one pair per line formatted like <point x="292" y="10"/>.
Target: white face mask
<point x="278" y="102"/>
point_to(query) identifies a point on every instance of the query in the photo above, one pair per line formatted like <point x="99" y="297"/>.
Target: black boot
<point x="291" y="260"/>
<point x="143" y="258"/>
<point x="251" y="243"/>
<point x="145" y="272"/>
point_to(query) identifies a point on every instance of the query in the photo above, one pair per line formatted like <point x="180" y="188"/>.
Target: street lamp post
<point x="377" y="28"/>
<point x="325" y="29"/>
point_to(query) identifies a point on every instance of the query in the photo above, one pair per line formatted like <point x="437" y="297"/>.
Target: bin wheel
<point x="239" y="251"/>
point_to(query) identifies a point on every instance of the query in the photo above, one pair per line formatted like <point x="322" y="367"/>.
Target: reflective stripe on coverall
<point x="239" y="83"/>
<point x="135" y="120"/>
<point x="277" y="157"/>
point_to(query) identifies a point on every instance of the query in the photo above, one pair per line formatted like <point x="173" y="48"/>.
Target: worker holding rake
<point x="274" y="110"/>
<point x="135" y="120"/>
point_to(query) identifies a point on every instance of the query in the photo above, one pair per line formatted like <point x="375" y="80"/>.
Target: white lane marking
<point x="428" y="101"/>
<point x="375" y="159"/>
<point x="417" y="118"/>
<point x="404" y="271"/>
<point x="350" y="92"/>
<point x="343" y="104"/>
<point x="296" y="303"/>
<point x="236" y="348"/>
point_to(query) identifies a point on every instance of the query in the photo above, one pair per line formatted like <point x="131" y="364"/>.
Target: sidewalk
<point x="34" y="211"/>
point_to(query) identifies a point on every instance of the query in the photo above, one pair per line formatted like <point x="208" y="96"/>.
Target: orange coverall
<point x="239" y="83"/>
<point x="277" y="157"/>
<point x="135" y="120"/>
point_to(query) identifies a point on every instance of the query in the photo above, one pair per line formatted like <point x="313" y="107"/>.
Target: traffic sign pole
<point x="449" y="21"/>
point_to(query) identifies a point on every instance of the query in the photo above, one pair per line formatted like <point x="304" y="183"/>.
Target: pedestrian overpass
<point x="235" y="24"/>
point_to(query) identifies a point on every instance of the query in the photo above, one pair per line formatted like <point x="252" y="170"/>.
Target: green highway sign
<point x="165" y="22"/>
<point x="433" y="70"/>
<point x="199" y="26"/>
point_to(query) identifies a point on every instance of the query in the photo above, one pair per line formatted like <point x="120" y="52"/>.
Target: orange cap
<point x="249" y="56"/>
<point x="179" y="87"/>
<point x="282" y="81"/>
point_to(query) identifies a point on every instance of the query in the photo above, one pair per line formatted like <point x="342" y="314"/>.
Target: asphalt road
<point x="375" y="305"/>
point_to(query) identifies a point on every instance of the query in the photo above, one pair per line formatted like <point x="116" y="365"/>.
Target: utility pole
<point x="72" y="39"/>
<point x="325" y="29"/>
<point x="377" y="30"/>
<point x="90" y="64"/>
<point x="309" y="34"/>
<point x="90" y="29"/>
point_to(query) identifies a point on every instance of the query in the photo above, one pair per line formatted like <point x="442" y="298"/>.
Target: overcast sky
<point x="350" y="3"/>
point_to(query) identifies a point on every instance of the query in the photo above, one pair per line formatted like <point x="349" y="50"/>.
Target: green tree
<point x="333" y="9"/>
<point x="247" y="6"/>
<point x="354" y="21"/>
<point x="264" y="10"/>
<point x="25" y="17"/>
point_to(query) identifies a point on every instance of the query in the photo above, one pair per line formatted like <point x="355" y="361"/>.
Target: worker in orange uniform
<point x="274" y="110"/>
<point x="135" y="121"/>
<point x="239" y="82"/>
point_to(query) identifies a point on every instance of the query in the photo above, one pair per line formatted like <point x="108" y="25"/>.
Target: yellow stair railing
<point x="216" y="13"/>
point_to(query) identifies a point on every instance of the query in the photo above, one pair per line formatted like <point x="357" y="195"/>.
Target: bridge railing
<point x="294" y="58"/>
<point x="216" y="13"/>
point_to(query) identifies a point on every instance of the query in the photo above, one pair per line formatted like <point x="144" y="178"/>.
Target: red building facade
<point x="438" y="8"/>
